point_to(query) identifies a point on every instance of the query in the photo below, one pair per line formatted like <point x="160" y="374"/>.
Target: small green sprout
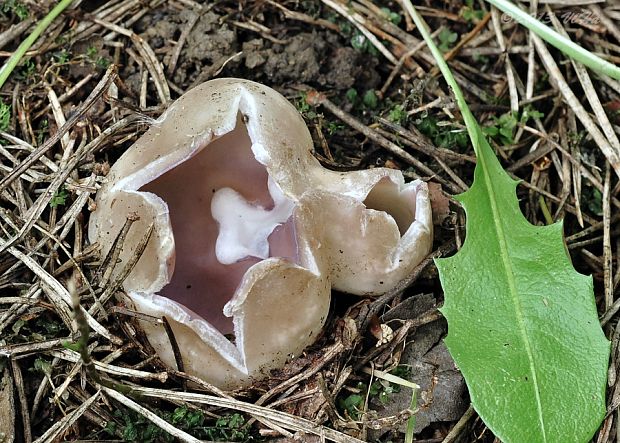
<point x="446" y="39"/>
<point x="304" y="107"/>
<point x="187" y="418"/>
<point x="503" y="128"/>
<point x="137" y="428"/>
<point x="229" y="427"/>
<point x="381" y="390"/>
<point x="367" y="101"/>
<point x="351" y="95"/>
<point x="333" y="127"/>
<point x="102" y="62"/>
<point x="59" y="198"/>
<point x="42" y="131"/>
<point x="529" y="112"/>
<point x="398" y="115"/>
<point x="27" y="69"/>
<point x="370" y="99"/>
<point x="443" y="135"/>
<point x="353" y="404"/>
<point x="43" y="327"/>
<point x="16" y="8"/>
<point x="362" y="44"/>
<point x="480" y="59"/>
<point x="576" y="138"/>
<point x="345" y="27"/>
<point x="311" y="8"/>
<point x="358" y="41"/>
<point x="592" y="199"/>
<point x="61" y="57"/>
<point x="392" y="16"/>
<point x="91" y="52"/>
<point x="470" y="14"/>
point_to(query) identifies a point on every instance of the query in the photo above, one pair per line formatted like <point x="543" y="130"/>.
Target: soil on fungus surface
<point x="295" y="47"/>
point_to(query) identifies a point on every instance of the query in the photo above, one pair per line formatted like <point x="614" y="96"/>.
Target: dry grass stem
<point x="57" y="430"/>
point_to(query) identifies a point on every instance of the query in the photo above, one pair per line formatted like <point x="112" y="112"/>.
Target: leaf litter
<point x="60" y="145"/>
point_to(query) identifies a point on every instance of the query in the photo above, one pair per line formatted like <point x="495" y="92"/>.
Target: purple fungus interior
<point x="201" y="282"/>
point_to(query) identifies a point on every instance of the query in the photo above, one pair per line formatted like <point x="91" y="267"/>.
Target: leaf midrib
<point x="511" y="284"/>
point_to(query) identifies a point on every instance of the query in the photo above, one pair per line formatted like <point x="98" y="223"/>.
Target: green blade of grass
<point x="14" y="60"/>
<point x="568" y="47"/>
<point x="468" y="117"/>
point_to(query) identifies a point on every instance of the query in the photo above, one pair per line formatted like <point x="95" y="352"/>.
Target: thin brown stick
<point x="377" y="305"/>
<point x="116" y="283"/>
<point x="172" y="65"/>
<point x="459" y="426"/>
<point x="178" y="357"/>
<point x="327" y="355"/>
<point x="607" y="253"/>
<point x="23" y="402"/>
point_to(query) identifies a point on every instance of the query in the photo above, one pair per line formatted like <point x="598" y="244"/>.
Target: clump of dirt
<point x="348" y="67"/>
<point x="210" y="43"/>
<point x="161" y="32"/>
<point x="312" y="58"/>
<point x="254" y="53"/>
<point x="316" y="58"/>
<point x="207" y="47"/>
<point x="297" y="61"/>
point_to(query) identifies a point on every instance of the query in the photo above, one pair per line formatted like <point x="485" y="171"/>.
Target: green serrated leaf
<point x="522" y="322"/>
<point x="523" y="326"/>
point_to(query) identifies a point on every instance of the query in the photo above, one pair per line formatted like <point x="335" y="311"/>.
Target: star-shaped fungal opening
<point x="224" y="220"/>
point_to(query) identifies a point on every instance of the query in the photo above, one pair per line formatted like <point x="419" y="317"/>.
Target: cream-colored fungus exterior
<point x="231" y="150"/>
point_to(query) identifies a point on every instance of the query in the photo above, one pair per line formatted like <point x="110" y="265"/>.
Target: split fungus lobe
<point x="250" y="231"/>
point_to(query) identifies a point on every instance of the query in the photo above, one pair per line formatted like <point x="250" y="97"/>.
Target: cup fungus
<point x="250" y="231"/>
